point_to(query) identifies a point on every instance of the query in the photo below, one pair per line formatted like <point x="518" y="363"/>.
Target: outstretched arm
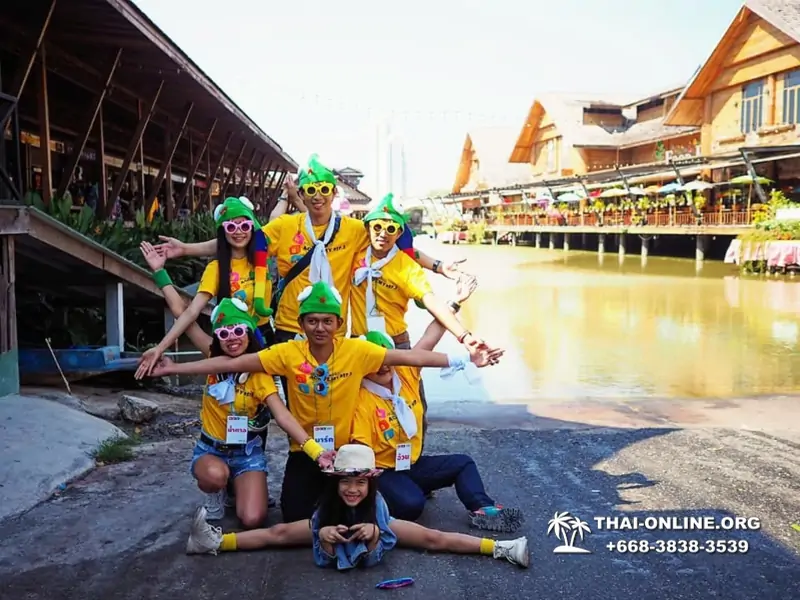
<point x="246" y="363"/>
<point x="428" y="262"/>
<point x="176" y="304"/>
<point x="434" y="332"/>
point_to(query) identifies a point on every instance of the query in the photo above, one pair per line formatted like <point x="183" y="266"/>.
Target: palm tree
<point x="578" y="528"/>
<point x="560" y="523"/>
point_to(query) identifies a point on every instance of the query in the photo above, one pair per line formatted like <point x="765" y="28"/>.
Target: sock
<point x="487" y="547"/>
<point x="228" y="543"/>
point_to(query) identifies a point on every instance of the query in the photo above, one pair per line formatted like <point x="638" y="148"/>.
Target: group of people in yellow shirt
<point x="354" y="405"/>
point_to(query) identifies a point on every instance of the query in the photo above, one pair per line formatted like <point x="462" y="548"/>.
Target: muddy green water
<point x="576" y="327"/>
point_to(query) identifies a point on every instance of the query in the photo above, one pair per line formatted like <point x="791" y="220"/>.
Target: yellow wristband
<point x="312" y="449"/>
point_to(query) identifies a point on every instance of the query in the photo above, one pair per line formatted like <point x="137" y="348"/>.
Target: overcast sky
<point x="317" y="75"/>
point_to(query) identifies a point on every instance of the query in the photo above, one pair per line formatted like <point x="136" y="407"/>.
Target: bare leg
<point x="412" y="535"/>
<point x="211" y="473"/>
<point x="251" y="498"/>
<point x="297" y="533"/>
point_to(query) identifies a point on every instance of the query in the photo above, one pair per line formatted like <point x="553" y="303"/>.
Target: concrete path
<point x="120" y="533"/>
<point x="43" y="444"/>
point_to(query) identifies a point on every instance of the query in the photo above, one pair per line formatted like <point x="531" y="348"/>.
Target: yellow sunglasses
<point x="312" y="189"/>
<point x="390" y="227"/>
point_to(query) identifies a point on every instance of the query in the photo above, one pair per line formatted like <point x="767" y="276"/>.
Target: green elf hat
<point x="387" y="209"/>
<point x="232" y="311"/>
<point x="233" y="208"/>
<point x="316" y="172"/>
<point x="320" y="298"/>
<point x="380" y="339"/>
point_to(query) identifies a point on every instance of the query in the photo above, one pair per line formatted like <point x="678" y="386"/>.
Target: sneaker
<point x="203" y="538"/>
<point x="497" y="518"/>
<point x="514" y="551"/>
<point x="215" y="505"/>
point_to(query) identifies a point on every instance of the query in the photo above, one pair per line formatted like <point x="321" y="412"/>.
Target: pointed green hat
<point x="316" y="172"/>
<point x="387" y="209"/>
<point x="320" y="298"/>
<point x="232" y="311"/>
<point x="233" y="208"/>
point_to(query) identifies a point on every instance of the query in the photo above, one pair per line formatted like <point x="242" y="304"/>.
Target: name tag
<point x="324" y="435"/>
<point x="402" y="457"/>
<point x="236" y="432"/>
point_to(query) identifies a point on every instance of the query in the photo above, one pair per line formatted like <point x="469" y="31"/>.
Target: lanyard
<point x="324" y="380"/>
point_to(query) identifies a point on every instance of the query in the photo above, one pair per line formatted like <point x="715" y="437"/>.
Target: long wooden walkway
<point x="40" y="253"/>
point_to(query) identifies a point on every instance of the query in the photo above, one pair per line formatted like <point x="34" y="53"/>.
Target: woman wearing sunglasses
<point x="317" y="245"/>
<point x="240" y="271"/>
<point x="235" y="411"/>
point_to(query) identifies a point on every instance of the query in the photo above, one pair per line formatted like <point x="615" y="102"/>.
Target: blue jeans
<point x="237" y="460"/>
<point x="405" y="491"/>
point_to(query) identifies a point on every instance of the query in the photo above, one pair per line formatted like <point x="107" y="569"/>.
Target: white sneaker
<point x="514" y="551"/>
<point x="203" y="538"/>
<point x="215" y="505"/>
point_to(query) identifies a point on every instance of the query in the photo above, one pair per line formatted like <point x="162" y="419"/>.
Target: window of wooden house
<point x="752" y="106"/>
<point x="791" y="97"/>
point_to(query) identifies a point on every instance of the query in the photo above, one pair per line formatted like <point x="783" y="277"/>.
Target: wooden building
<point x="484" y="165"/>
<point x="747" y="94"/>
<point x="573" y="135"/>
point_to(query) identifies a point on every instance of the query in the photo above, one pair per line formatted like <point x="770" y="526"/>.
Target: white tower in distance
<point x="390" y="160"/>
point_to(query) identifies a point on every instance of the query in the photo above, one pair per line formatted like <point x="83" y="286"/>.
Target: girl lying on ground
<point x="389" y="419"/>
<point x="235" y="413"/>
<point x="352" y="526"/>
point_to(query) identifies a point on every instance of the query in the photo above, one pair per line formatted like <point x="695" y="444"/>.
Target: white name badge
<point x="402" y="457"/>
<point x="236" y="433"/>
<point x="376" y="324"/>
<point x="325" y="436"/>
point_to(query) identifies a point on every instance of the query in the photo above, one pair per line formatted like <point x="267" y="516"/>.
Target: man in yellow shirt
<point x="317" y="245"/>
<point x="324" y="373"/>
<point x="389" y="419"/>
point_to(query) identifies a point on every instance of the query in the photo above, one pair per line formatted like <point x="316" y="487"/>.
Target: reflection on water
<point x="574" y="326"/>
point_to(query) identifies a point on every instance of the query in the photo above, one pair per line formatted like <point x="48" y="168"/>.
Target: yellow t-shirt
<point x="402" y="280"/>
<point x="351" y="360"/>
<point x="288" y="243"/>
<point x="249" y="396"/>
<point x="243" y="281"/>
<point x="375" y="423"/>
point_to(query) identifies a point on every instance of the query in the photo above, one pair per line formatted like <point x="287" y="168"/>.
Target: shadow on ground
<point x="120" y="533"/>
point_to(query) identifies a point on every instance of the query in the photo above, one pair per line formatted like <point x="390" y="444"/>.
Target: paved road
<point x="120" y="533"/>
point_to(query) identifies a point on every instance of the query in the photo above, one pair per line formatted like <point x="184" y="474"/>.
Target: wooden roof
<point x="489" y="145"/>
<point x="784" y="15"/>
<point x="566" y="111"/>
<point x="81" y="41"/>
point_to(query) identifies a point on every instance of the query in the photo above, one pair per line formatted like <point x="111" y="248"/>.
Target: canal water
<point x="575" y="327"/>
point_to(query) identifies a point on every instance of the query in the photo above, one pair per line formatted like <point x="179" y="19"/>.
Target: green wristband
<point x="162" y="279"/>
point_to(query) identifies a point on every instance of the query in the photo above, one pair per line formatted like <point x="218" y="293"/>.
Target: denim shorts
<point x="238" y="461"/>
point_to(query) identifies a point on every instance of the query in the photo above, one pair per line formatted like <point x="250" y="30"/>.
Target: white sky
<point x="316" y="75"/>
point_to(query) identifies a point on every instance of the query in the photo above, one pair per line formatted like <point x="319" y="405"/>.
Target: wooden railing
<point x="680" y="218"/>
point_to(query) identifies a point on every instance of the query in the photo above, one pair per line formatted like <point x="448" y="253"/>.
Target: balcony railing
<point x="677" y="218"/>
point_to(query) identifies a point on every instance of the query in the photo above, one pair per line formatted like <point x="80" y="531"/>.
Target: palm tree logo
<point x="564" y="524"/>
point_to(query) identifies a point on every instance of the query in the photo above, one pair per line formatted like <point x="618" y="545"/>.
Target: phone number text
<point x="679" y="546"/>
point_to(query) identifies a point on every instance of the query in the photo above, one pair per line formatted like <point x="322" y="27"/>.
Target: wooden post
<point x="115" y="315"/>
<point x="212" y="173"/>
<point x="772" y="100"/>
<point x="231" y="174"/>
<point x="245" y="172"/>
<point x="166" y="166"/>
<point x="86" y="128"/>
<point x="44" y="131"/>
<point x="103" y="208"/>
<point x="195" y="163"/>
<point x="135" y="142"/>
